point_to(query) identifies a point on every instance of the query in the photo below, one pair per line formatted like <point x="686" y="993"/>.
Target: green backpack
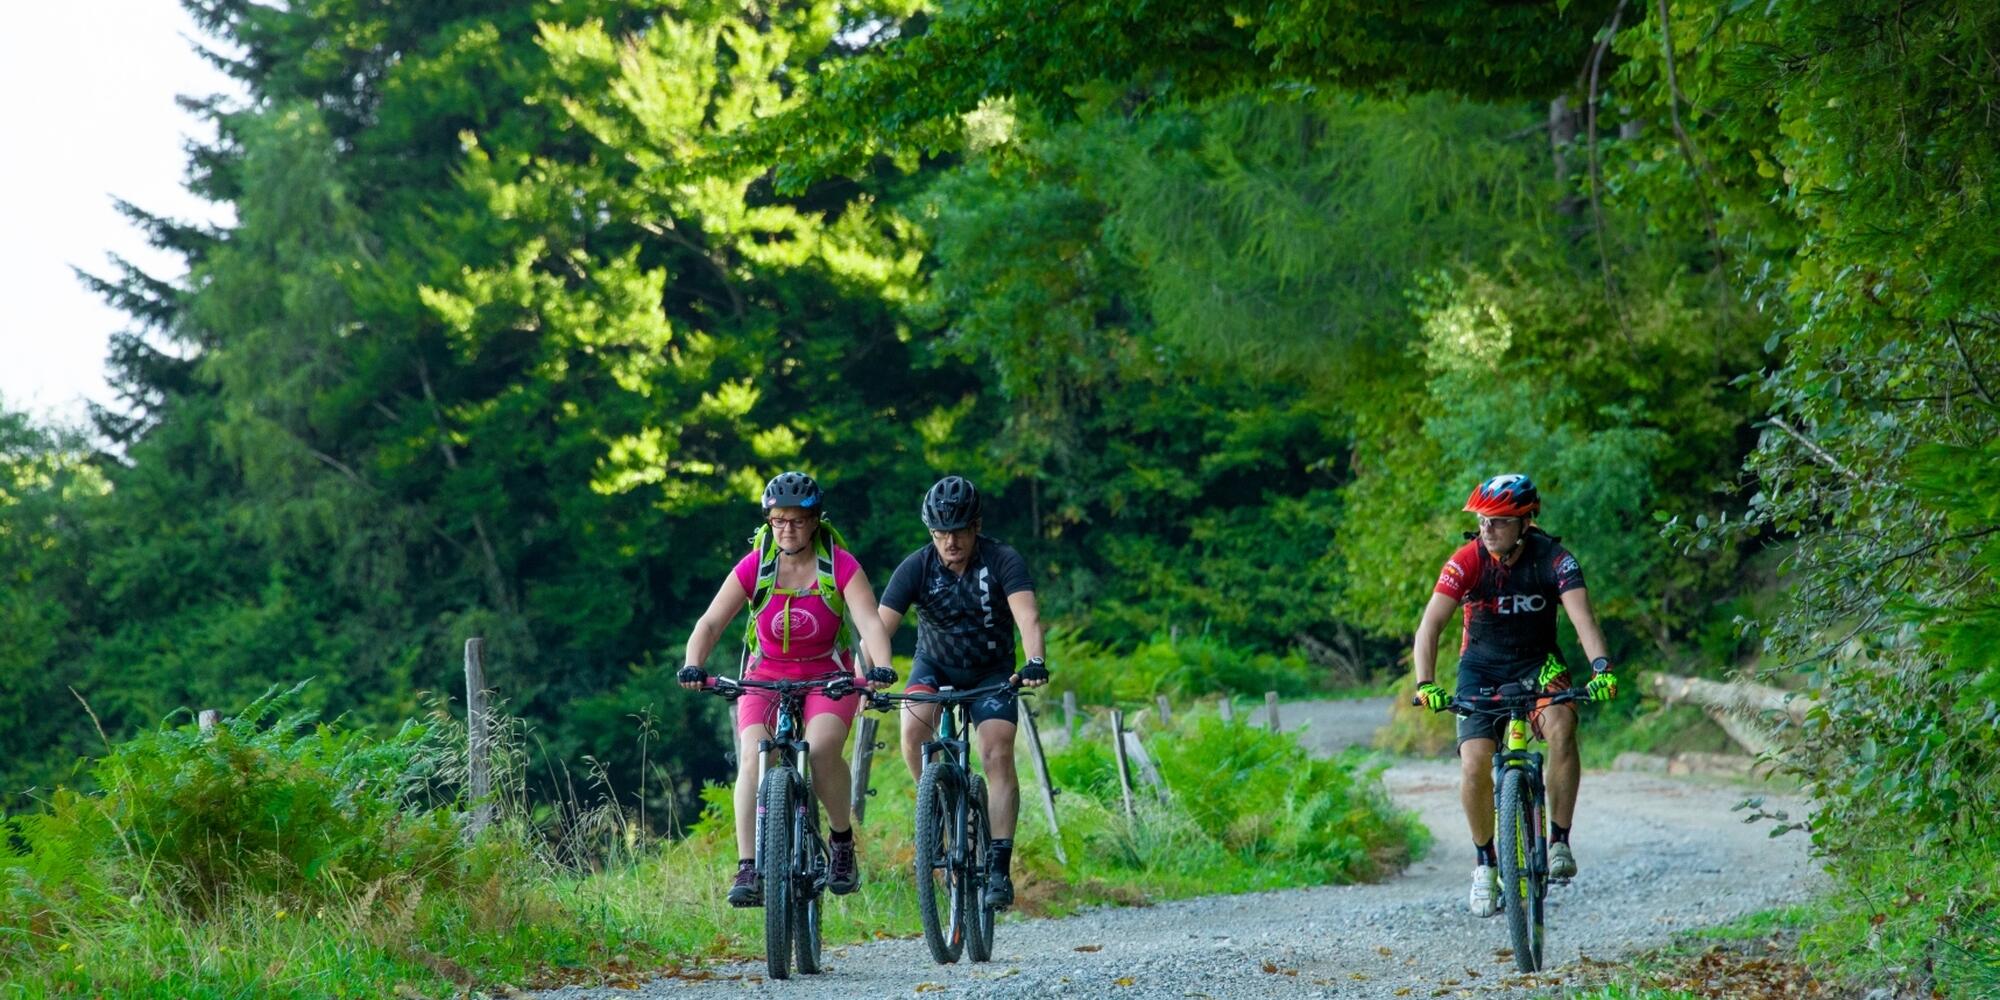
<point x="825" y="540"/>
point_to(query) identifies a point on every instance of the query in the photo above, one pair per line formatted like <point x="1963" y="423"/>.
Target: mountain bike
<point x="954" y="840"/>
<point x="1520" y="811"/>
<point x="791" y="855"/>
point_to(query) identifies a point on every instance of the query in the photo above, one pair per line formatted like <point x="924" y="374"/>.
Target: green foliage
<point x="907" y="93"/>
<point x="267" y="804"/>
<point x="1256" y="793"/>
<point x="1932" y="919"/>
<point x="1185" y="668"/>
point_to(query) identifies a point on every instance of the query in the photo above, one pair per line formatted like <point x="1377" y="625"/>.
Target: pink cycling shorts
<point x="760" y="708"/>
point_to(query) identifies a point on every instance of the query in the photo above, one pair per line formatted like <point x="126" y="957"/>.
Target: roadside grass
<point x="185" y="875"/>
<point x="1927" y="915"/>
<point x="1901" y="925"/>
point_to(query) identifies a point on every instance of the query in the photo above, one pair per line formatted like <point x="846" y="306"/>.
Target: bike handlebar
<point x="733" y="687"/>
<point x="1503" y="701"/>
<point x="882" y="701"/>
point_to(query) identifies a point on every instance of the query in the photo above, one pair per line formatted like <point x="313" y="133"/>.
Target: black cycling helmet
<point x="951" y="504"/>
<point x="793" y="489"/>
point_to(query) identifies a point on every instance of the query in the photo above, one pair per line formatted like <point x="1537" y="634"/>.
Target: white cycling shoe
<point x="1485" y="891"/>
<point x="1562" y="864"/>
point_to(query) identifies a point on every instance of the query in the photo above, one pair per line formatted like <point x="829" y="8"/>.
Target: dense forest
<point x="1227" y="306"/>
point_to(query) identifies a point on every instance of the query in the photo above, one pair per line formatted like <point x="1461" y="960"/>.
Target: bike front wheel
<point x="777" y="866"/>
<point x="1519" y="896"/>
<point x="944" y="931"/>
<point x="979" y="839"/>
<point x="811" y="867"/>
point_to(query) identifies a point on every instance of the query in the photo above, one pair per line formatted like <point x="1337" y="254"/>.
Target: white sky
<point x="89" y="115"/>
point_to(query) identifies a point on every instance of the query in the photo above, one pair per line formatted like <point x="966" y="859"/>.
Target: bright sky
<point x="89" y="116"/>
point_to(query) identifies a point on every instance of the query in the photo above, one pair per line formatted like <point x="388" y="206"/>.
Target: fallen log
<point x="1727" y="765"/>
<point x="1740" y="697"/>
<point x="1750" y="734"/>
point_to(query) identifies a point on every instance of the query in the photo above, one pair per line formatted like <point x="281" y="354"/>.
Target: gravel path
<point x="1658" y="856"/>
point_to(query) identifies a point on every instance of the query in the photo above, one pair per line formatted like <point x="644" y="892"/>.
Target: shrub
<point x="1187" y="668"/>
<point x="265" y="804"/>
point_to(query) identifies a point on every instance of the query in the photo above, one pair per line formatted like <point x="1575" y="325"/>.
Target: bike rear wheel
<point x="978" y="838"/>
<point x="777" y="866"/>
<point x="810" y="885"/>
<point x="1519" y="896"/>
<point x="944" y="931"/>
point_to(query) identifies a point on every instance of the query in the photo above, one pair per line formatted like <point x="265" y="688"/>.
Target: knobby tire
<point x="812" y="867"/>
<point x="932" y="868"/>
<point x="1517" y="883"/>
<point x="775" y="842"/>
<point x="979" y="837"/>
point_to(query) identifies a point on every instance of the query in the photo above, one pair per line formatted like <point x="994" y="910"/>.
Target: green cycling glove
<point x="1433" y="697"/>
<point x="1603" y="684"/>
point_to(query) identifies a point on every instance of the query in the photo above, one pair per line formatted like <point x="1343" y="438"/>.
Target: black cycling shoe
<point x="999" y="890"/>
<point x="747" y="890"/>
<point x="843" y="872"/>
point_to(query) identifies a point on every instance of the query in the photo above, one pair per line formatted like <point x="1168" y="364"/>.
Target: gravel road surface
<point x="1658" y="855"/>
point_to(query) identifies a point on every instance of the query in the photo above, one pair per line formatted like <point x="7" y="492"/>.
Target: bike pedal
<point x="1558" y="881"/>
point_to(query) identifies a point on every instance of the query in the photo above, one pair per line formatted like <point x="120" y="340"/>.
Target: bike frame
<point x="786" y="746"/>
<point x="1518" y="757"/>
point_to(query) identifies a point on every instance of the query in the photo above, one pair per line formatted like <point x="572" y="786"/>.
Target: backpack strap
<point x="825" y="541"/>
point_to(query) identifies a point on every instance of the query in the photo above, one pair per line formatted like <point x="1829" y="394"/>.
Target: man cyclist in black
<point x="971" y="594"/>
<point x="1510" y="577"/>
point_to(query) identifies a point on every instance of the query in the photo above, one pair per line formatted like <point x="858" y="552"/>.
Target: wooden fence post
<point x="1226" y="708"/>
<point x="1124" y="768"/>
<point x="1166" y="712"/>
<point x="1042" y="775"/>
<point x="479" y="738"/>
<point x="1069" y="714"/>
<point x="207" y="719"/>
<point x="1271" y="708"/>
<point x="1135" y="749"/>
<point x="864" y="761"/>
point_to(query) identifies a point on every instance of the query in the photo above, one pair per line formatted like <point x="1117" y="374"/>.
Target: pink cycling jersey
<point x="797" y="627"/>
<point x="796" y="633"/>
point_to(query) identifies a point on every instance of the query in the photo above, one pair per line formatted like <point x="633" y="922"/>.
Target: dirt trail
<point x="1658" y="856"/>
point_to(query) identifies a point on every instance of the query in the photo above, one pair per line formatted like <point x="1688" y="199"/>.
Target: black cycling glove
<point x="1034" y="670"/>
<point x="881" y="675"/>
<point x="691" y="675"/>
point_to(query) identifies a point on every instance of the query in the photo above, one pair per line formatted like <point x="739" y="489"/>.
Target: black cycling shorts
<point x="925" y="675"/>
<point x="1494" y="727"/>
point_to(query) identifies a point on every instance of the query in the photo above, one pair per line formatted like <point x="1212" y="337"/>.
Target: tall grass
<point x="281" y="858"/>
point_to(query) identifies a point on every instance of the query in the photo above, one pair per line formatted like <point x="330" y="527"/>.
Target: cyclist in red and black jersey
<point x="1509" y="578"/>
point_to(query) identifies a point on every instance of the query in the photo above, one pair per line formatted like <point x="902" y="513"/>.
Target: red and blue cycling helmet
<point x="1510" y="495"/>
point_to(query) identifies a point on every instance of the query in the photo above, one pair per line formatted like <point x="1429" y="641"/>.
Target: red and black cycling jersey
<point x="1510" y="609"/>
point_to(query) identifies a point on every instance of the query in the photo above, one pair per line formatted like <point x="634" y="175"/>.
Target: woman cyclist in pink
<point x="801" y="584"/>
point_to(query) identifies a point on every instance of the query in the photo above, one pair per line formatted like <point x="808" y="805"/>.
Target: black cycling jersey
<point x="965" y="626"/>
